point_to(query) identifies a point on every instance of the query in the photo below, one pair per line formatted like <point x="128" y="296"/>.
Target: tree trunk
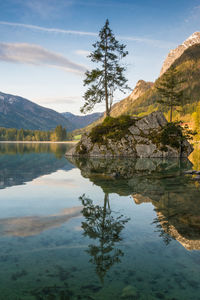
<point x="171" y="108"/>
<point x="106" y="98"/>
<point x="106" y="201"/>
<point x="106" y="82"/>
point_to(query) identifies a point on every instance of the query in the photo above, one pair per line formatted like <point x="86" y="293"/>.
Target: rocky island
<point x="125" y="136"/>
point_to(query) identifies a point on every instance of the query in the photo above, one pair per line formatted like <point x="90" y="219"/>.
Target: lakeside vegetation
<point x="13" y="134"/>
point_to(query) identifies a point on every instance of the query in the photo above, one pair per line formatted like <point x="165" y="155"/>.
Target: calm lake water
<point x="97" y="229"/>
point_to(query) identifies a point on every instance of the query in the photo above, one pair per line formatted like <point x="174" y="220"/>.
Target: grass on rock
<point x="111" y="128"/>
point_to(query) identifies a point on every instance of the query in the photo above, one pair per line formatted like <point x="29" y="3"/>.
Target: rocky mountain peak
<point x="177" y="52"/>
<point x="140" y="88"/>
<point x="122" y="106"/>
<point x="193" y="39"/>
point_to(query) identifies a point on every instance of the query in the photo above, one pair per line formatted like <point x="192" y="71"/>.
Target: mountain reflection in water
<point x="153" y="180"/>
<point x="20" y="163"/>
<point x="97" y="228"/>
<point x="146" y="180"/>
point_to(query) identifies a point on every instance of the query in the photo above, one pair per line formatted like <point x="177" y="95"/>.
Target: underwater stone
<point x="129" y="292"/>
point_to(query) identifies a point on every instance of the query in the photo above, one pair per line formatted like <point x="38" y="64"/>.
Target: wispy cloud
<point x="37" y="55"/>
<point x="60" y="100"/>
<point x="114" y="4"/>
<point x="194" y="15"/>
<point x="82" y="52"/>
<point x="49" y="30"/>
<point x="152" y="42"/>
<point x="45" y="9"/>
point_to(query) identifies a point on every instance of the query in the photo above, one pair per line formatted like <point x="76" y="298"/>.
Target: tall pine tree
<point x="109" y="76"/>
<point x="169" y="88"/>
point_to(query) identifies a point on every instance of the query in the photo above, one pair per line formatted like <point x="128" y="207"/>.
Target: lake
<point x="97" y="228"/>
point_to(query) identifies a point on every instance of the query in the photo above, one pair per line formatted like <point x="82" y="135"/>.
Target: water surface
<point x="97" y="228"/>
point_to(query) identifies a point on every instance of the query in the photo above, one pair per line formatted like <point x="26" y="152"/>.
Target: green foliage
<point x="196" y="118"/>
<point x="169" y="88"/>
<point x="60" y="133"/>
<point x="188" y="133"/>
<point x="12" y="134"/>
<point x="108" y="76"/>
<point x="188" y="72"/>
<point x="171" y="135"/>
<point x="77" y="137"/>
<point x="111" y="128"/>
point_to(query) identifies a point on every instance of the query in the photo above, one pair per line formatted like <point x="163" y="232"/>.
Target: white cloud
<point x="49" y="30"/>
<point x="152" y="42"/>
<point x="47" y="8"/>
<point x="60" y="100"/>
<point x="37" y="55"/>
<point x="194" y="15"/>
<point x="82" y="52"/>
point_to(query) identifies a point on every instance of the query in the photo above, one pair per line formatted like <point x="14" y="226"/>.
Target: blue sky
<point x="44" y="43"/>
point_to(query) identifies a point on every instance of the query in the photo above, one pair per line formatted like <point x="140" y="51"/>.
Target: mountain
<point x="21" y="113"/>
<point x="81" y="121"/>
<point x="188" y="66"/>
<point x="143" y="99"/>
<point x="122" y="107"/>
<point x="176" y="53"/>
<point x="18" y="112"/>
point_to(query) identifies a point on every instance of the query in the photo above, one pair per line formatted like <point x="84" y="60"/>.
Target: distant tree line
<point x="13" y="134"/>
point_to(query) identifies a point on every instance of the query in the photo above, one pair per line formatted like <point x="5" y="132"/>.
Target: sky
<point x="44" y="44"/>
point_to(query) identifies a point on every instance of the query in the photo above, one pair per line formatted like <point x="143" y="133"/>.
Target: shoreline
<point x="37" y="142"/>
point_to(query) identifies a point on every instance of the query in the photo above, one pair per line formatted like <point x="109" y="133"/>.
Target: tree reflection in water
<point x="100" y="224"/>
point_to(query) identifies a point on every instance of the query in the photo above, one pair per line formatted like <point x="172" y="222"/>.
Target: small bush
<point x="171" y="135"/>
<point x="112" y="128"/>
<point x="77" y="137"/>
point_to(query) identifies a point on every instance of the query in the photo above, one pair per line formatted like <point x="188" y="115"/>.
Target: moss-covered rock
<point x="111" y="128"/>
<point x="150" y="136"/>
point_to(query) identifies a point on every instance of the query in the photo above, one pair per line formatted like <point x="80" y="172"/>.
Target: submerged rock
<point x="150" y="136"/>
<point x="129" y="292"/>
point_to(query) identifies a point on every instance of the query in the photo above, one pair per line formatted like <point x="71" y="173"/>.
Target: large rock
<point x="142" y="139"/>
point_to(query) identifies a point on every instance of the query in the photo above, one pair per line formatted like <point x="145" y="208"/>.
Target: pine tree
<point x="20" y="135"/>
<point x="60" y="133"/>
<point x="105" y="79"/>
<point x="169" y="89"/>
